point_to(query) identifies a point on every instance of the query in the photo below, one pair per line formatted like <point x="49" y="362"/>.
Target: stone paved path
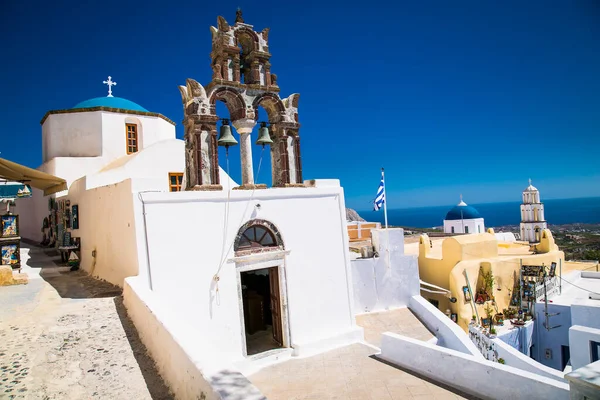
<point x="401" y="321"/>
<point x="349" y="373"/>
<point x="67" y="336"/>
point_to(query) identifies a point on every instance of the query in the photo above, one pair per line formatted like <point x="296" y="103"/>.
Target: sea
<point x="557" y="212"/>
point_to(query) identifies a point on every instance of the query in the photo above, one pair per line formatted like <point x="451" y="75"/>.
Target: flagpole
<point x="385" y="200"/>
<point x="387" y="233"/>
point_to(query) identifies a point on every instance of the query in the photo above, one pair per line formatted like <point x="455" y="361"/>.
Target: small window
<point x="132" y="138"/>
<point x="175" y="181"/>
<point x="452" y="229"/>
<point x="595" y="351"/>
<point x="466" y="229"/>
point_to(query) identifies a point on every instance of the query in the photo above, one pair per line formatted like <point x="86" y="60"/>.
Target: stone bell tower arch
<point x="243" y="80"/>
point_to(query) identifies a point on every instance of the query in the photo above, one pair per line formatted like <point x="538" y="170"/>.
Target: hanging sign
<point x="532" y="270"/>
<point x="24" y="192"/>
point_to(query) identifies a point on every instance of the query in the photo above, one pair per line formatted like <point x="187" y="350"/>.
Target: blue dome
<point x="462" y="212"/>
<point x="112" y="102"/>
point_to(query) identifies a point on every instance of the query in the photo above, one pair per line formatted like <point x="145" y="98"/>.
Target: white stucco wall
<point x="551" y="339"/>
<point x="586" y="312"/>
<point x="71" y="168"/>
<point x="476" y="376"/>
<point x="185" y="245"/>
<point x="177" y="352"/>
<point x="580" y="338"/>
<point x="150" y="131"/>
<point x="31" y="211"/>
<point x="475" y="225"/>
<point x="98" y="134"/>
<point x="515" y="358"/>
<point x="505" y="237"/>
<point x="379" y="286"/>
<point x="448" y="333"/>
<point x="72" y="135"/>
<point x="585" y="319"/>
<point x="106" y="226"/>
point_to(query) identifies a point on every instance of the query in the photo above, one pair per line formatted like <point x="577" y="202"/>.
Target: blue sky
<point x="450" y="97"/>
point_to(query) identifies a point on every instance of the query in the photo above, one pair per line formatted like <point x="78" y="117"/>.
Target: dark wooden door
<point x="276" y="305"/>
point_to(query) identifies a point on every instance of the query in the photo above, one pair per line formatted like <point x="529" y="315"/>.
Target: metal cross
<point x="110" y="83"/>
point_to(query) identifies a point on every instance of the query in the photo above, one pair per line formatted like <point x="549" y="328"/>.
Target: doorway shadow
<point x="67" y="283"/>
<point x="154" y="382"/>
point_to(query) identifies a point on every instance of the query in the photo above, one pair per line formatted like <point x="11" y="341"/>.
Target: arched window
<point x="258" y="235"/>
<point x="452" y="229"/>
<point x="466" y="229"/>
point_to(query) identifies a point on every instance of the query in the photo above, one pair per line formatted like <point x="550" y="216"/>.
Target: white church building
<point x="533" y="221"/>
<point x="107" y="149"/>
<point x="219" y="272"/>
<point x="463" y="218"/>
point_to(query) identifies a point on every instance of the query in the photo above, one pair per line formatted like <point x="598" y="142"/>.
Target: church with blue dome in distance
<point x="463" y="218"/>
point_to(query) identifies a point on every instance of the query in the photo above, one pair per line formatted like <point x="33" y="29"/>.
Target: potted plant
<point x="499" y="319"/>
<point x="488" y="282"/>
<point x="489" y="311"/>
<point x="501" y="361"/>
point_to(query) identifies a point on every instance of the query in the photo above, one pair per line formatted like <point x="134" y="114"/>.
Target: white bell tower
<point x="532" y="215"/>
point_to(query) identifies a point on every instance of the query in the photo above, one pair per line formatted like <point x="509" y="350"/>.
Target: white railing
<point x="551" y="288"/>
<point x="484" y="343"/>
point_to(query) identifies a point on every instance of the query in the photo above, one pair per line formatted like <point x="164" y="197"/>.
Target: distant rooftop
<point x="577" y="286"/>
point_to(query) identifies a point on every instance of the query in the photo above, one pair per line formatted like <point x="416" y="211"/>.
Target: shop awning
<point x="50" y="184"/>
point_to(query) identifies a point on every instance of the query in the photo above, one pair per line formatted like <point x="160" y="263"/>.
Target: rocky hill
<point x="352" y="215"/>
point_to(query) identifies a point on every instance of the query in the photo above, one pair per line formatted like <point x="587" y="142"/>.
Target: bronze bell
<point x="263" y="135"/>
<point x="225" y="137"/>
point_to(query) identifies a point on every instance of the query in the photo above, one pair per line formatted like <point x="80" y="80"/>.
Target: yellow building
<point x="460" y="261"/>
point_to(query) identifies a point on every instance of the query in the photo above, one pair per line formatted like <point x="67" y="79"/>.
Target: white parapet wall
<point x="387" y="281"/>
<point x="448" y="333"/>
<point x="475" y="376"/>
<point x="580" y="338"/>
<point x="495" y="349"/>
<point x="176" y="351"/>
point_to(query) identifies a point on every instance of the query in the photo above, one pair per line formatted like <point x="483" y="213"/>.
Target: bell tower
<point x="532" y="215"/>
<point x="242" y="79"/>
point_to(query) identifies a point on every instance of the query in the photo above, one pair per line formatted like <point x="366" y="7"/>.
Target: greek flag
<point x="380" y="198"/>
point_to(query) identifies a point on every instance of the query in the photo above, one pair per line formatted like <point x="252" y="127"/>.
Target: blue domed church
<point x="463" y="218"/>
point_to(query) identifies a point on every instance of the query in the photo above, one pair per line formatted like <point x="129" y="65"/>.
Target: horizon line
<point x="487" y="202"/>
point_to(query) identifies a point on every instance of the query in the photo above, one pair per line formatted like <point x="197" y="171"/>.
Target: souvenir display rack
<point x="57" y="226"/>
<point x="10" y="241"/>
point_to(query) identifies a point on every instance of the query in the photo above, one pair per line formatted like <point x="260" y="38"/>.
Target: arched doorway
<point x="259" y="259"/>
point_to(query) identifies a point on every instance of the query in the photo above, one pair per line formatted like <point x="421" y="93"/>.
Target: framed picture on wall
<point x="467" y="293"/>
<point x="75" y="217"/>
<point x="9" y="225"/>
<point x="552" y="270"/>
<point x="10" y="253"/>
